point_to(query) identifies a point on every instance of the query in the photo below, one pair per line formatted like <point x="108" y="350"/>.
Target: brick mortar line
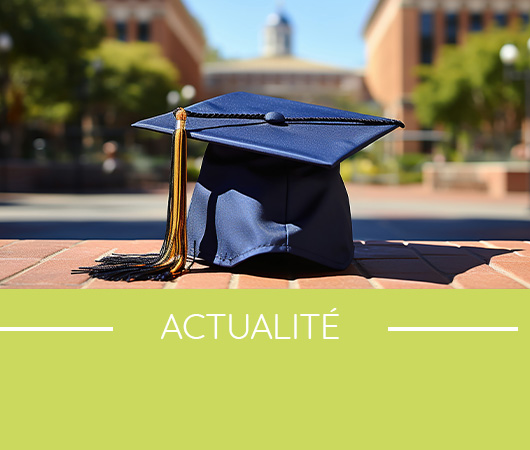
<point x="475" y="255"/>
<point x="456" y="285"/>
<point x="375" y="284"/>
<point x="490" y="245"/>
<point x="234" y="281"/>
<point x="38" y="263"/>
<point x="87" y="283"/>
<point x="514" y="252"/>
<point x="498" y="270"/>
<point x="505" y="272"/>
<point x="11" y="243"/>
<point x="514" y="277"/>
<point x="366" y="275"/>
<point x="432" y="266"/>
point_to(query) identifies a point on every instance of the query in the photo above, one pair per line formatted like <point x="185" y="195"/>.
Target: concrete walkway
<point x="378" y="213"/>
<point x="406" y="238"/>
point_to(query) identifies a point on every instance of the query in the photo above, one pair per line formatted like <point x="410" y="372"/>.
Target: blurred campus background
<point x="74" y="74"/>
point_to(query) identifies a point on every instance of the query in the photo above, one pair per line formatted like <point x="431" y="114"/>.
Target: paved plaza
<point x="378" y="213"/>
<point x="405" y="238"/>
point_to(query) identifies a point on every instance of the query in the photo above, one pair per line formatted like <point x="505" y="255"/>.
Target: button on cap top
<point x="275" y="118"/>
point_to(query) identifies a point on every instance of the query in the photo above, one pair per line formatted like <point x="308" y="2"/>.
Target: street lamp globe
<point x="188" y="92"/>
<point x="6" y="42"/>
<point x="97" y="65"/>
<point x="509" y="54"/>
<point x="173" y="98"/>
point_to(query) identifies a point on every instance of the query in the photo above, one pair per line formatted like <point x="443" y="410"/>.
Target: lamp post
<point x="83" y="138"/>
<point x="509" y="55"/>
<point x="186" y="94"/>
<point x="6" y="45"/>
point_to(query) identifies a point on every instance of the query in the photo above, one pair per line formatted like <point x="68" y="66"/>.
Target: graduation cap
<point x="269" y="183"/>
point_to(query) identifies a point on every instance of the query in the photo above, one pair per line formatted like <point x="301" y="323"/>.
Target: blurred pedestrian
<point x="110" y="150"/>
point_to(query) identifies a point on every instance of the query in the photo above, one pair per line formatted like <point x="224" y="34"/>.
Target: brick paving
<point x="46" y="264"/>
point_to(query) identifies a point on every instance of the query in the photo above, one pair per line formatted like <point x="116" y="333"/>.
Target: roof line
<point x="375" y="10"/>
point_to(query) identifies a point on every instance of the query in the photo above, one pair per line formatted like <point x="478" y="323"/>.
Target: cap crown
<point x="245" y="204"/>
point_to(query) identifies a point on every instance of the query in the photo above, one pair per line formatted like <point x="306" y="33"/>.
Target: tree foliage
<point x="50" y="39"/>
<point x="53" y="71"/>
<point x="466" y="88"/>
<point x="133" y="78"/>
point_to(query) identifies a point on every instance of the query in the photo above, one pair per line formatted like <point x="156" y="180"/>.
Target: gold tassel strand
<point x="170" y="262"/>
<point x="178" y="236"/>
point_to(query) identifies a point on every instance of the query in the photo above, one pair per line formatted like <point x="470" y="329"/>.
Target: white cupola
<point x="277" y="35"/>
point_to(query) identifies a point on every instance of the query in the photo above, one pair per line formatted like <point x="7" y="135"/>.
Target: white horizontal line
<point x="453" y="328"/>
<point x="56" y="328"/>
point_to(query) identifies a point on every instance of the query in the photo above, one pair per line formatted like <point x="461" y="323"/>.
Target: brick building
<point x="166" y="22"/>
<point x="401" y="34"/>
<point x="279" y="73"/>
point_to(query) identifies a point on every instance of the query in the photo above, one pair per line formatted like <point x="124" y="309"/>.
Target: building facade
<point x="402" y="34"/>
<point x="279" y="73"/>
<point x="166" y="22"/>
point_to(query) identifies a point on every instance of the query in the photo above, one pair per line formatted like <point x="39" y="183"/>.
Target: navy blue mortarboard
<point x="269" y="183"/>
<point x="278" y="127"/>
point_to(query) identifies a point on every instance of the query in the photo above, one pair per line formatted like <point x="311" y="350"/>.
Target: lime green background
<point x="370" y="389"/>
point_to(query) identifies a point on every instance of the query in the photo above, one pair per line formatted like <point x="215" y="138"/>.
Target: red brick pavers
<point x="256" y="282"/>
<point x="18" y="256"/>
<point x="201" y="277"/>
<point x="516" y="263"/>
<point x="46" y="264"/>
<point x="351" y="278"/>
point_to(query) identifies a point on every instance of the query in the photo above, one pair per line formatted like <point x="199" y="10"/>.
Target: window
<point x="144" y="31"/>
<point x="287" y="44"/>
<point x="426" y="145"/>
<point x="121" y="31"/>
<point x="501" y="19"/>
<point x="451" y="28"/>
<point x="475" y="22"/>
<point x="426" y="38"/>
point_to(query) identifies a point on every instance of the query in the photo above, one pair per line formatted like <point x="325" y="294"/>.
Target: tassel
<point x="170" y="262"/>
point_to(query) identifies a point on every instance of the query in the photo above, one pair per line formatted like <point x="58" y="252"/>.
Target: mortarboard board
<point x="269" y="183"/>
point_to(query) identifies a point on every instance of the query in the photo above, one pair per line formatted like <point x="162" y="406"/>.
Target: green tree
<point x="47" y="63"/>
<point x="130" y="79"/>
<point x="465" y="90"/>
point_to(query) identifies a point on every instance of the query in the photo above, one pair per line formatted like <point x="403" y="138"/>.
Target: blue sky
<point x="328" y="31"/>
